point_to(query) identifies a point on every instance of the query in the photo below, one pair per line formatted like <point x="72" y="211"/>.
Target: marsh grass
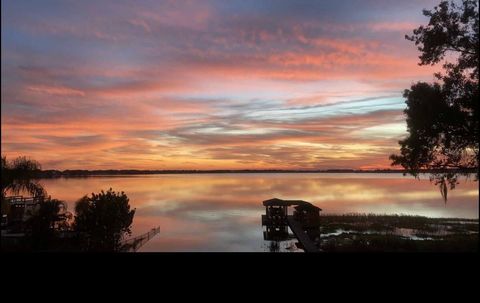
<point x="397" y="233"/>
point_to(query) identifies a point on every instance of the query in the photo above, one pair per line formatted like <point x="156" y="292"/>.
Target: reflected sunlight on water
<point x="222" y="212"/>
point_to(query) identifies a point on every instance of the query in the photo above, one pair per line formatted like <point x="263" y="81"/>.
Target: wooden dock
<point x="133" y="244"/>
<point x="304" y="223"/>
<point x="303" y="238"/>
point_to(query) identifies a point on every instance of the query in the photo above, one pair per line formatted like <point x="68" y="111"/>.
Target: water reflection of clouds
<point x="221" y="212"/>
<point x="225" y="233"/>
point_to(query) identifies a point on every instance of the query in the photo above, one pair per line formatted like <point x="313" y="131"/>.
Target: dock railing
<point x="133" y="244"/>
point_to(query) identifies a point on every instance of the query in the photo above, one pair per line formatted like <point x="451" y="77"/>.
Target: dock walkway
<point x="303" y="238"/>
<point x="133" y="244"/>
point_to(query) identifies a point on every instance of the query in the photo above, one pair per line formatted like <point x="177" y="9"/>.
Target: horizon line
<point x="160" y="171"/>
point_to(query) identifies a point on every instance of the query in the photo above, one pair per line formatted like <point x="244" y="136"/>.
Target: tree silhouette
<point x="20" y="175"/>
<point x="442" y="118"/>
<point x="45" y="221"/>
<point x="103" y="219"/>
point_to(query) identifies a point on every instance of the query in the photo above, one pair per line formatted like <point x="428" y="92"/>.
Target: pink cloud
<point x="56" y="90"/>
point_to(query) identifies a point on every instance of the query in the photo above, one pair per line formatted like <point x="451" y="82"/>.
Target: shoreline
<point x="132" y="172"/>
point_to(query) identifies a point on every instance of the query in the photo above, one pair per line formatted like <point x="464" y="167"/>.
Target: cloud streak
<point x="210" y="85"/>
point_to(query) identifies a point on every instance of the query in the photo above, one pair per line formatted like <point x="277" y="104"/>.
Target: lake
<point x="222" y="212"/>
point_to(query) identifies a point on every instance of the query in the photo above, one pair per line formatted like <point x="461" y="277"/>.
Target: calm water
<point x="222" y="212"/>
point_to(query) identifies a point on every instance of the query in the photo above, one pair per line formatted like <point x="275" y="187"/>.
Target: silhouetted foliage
<point x="46" y="221"/>
<point x="103" y="219"/>
<point x="20" y="175"/>
<point x="442" y="118"/>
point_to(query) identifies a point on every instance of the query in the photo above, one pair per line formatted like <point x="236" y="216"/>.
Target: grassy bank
<point x="397" y="233"/>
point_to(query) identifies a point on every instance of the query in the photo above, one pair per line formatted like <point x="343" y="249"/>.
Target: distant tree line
<point x="86" y="173"/>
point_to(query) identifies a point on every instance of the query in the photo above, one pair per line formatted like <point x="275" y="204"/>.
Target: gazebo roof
<point x="280" y="202"/>
<point x="307" y="207"/>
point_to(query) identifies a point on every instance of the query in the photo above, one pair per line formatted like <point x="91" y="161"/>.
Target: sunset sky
<point x="207" y="84"/>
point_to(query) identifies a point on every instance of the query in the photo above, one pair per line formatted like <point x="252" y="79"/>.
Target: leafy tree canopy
<point x="50" y="216"/>
<point x="442" y="118"/>
<point x="19" y="175"/>
<point x="103" y="219"/>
